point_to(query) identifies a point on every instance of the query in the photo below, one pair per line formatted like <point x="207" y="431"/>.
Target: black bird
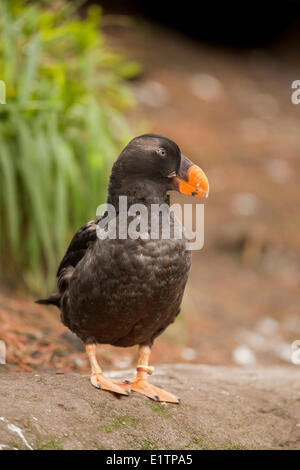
<point x="125" y="291"/>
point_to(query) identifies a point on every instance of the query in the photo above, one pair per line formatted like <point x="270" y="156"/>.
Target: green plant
<point x="61" y="127"/>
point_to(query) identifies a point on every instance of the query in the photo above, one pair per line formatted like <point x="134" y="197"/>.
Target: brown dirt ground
<point x="222" y="408"/>
<point x="248" y="271"/>
<point x="243" y="288"/>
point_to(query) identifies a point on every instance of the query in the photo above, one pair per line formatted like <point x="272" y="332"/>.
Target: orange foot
<point x="125" y="384"/>
<point x="100" y="381"/>
<point x="158" y="394"/>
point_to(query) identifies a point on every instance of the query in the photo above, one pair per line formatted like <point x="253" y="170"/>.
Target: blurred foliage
<point x="61" y="127"/>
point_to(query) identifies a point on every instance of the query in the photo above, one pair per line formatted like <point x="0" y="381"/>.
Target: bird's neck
<point x="137" y="192"/>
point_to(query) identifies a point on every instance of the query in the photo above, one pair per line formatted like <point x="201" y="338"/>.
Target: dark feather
<point x="75" y="252"/>
<point x="79" y="244"/>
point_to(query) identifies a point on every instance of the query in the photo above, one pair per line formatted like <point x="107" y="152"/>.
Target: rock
<point x="222" y="408"/>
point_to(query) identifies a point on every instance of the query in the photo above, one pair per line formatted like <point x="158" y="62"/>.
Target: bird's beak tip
<point x="193" y="182"/>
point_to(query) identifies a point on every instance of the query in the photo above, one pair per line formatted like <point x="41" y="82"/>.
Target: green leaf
<point x="9" y="204"/>
<point x="63" y="124"/>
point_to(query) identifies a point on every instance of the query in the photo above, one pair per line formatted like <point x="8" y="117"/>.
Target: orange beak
<point x="191" y="180"/>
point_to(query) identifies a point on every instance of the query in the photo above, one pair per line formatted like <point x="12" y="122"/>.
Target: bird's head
<point x="155" y="164"/>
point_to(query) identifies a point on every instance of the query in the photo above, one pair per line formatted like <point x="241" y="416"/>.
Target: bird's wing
<point x="81" y="241"/>
<point x="79" y="244"/>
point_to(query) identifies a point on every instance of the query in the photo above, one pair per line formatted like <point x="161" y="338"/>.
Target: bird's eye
<point x="162" y="152"/>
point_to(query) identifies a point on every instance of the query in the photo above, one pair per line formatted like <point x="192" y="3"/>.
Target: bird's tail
<point x="52" y="300"/>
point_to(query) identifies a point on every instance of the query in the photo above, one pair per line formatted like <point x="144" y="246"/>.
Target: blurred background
<point x="81" y="79"/>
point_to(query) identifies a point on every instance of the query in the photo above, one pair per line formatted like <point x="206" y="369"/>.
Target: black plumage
<point x="127" y="291"/>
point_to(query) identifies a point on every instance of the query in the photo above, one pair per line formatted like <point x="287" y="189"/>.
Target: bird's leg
<point x="141" y="384"/>
<point x="97" y="377"/>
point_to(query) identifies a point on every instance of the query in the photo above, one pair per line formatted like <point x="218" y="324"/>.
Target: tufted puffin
<point x="126" y="290"/>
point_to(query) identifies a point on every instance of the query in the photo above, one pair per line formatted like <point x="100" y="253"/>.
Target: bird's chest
<point x="127" y="274"/>
<point x="131" y="289"/>
<point x="147" y="268"/>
